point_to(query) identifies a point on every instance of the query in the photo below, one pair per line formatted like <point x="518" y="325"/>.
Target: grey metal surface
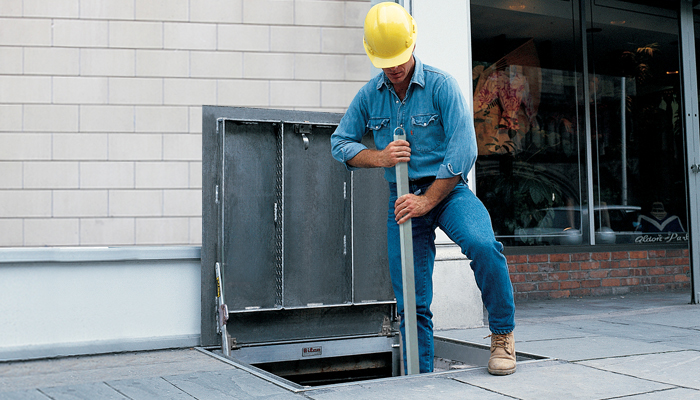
<point x="306" y="323"/>
<point x="313" y="349"/>
<point x="212" y="228"/>
<point x="317" y="231"/>
<point x="248" y="197"/>
<point x="407" y="275"/>
<point x="370" y="197"/>
<point x="692" y="127"/>
<point x="299" y="259"/>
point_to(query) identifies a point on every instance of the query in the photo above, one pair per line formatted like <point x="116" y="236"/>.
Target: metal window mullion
<point x="587" y="116"/>
<point x="692" y="126"/>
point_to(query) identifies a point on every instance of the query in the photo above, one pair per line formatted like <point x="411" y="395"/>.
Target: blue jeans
<point x="464" y="219"/>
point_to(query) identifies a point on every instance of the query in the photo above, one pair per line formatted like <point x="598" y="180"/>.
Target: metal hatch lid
<point x="309" y="319"/>
<point x="268" y="115"/>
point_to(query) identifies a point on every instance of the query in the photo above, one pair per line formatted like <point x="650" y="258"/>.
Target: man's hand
<point x="394" y="153"/>
<point x="412" y="206"/>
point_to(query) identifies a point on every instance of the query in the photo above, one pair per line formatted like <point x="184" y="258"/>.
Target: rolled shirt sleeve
<point x="458" y="124"/>
<point x="347" y="138"/>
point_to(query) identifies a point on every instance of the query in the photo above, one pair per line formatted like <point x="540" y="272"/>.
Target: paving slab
<point x="681" y="317"/>
<point x="33" y="394"/>
<point x="85" y="391"/>
<point x="149" y="389"/>
<point x="679" y="368"/>
<point x="560" y="380"/>
<point x="523" y="333"/>
<point x="670" y="394"/>
<point x="631" y="329"/>
<point x="643" y="347"/>
<point x="16" y="376"/>
<point x="592" y="347"/>
<point x="408" y="388"/>
<point x="229" y="384"/>
<point x="565" y="343"/>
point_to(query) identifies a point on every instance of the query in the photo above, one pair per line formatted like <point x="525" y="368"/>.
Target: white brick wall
<point x="100" y="104"/>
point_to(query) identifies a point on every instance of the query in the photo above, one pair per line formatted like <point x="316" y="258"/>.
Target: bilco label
<point x="311" y="351"/>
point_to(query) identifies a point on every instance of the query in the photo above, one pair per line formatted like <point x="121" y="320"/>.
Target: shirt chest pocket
<point x="426" y="132"/>
<point x="380" y="129"/>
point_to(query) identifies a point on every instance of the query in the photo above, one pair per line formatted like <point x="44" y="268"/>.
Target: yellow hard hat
<point x="390" y="33"/>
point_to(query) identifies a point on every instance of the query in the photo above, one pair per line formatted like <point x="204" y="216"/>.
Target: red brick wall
<point x="552" y="276"/>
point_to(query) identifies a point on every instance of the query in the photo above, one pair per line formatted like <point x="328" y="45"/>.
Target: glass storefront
<point x="578" y="105"/>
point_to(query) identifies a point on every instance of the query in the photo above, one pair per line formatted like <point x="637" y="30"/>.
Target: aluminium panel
<point x="370" y="201"/>
<point x="317" y="231"/>
<point x="248" y="201"/>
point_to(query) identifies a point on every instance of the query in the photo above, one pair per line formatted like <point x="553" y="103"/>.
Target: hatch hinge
<point x="386" y="327"/>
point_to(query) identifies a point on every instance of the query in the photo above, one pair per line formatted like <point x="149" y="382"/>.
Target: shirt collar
<point x="418" y="77"/>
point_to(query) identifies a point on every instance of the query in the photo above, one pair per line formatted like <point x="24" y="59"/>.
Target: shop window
<point x="533" y="110"/>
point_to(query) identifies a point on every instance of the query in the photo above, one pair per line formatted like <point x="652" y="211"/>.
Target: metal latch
<point x="695" y="168"/>
<point x="304" y="129"/>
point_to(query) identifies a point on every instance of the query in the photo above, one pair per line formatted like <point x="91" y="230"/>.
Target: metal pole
<point x="408" y="280"/>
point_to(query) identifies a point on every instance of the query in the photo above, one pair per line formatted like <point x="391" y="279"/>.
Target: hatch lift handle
<point x="409" y="286"/>
<point x="222" y="314"/>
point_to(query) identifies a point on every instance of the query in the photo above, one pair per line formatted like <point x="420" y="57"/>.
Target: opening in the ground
<point x="319" y="371"/>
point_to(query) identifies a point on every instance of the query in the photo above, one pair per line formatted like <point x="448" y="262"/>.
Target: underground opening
<point x="316" y="371"/>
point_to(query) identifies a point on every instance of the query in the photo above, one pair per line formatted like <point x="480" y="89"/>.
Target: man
<point x="440" y="150"/>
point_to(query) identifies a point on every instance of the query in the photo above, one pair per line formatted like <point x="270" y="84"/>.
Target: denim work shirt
<point x="434" y="114"/>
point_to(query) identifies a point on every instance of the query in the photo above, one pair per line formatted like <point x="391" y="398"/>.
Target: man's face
<point x="400" y="73"/>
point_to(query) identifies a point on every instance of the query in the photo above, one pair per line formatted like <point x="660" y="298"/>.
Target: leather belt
<point x="423" y="181"/>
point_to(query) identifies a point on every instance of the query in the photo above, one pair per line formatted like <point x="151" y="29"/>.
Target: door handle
<point x="695" y="168"/>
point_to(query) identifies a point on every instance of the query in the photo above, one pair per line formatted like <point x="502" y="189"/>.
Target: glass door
<point x="637" y="136"/>
<point x="528" y="118"/>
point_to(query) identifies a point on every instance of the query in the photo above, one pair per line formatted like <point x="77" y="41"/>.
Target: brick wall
<point x="100" y="104"/>
<point x="549" y="276"/>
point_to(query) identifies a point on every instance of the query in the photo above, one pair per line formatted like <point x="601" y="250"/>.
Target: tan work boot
<point x="502" y="361"/>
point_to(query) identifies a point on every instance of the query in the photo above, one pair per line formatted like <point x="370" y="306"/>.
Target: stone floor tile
<point x="407" y="388"/>
<point x="676" y="368"/>
<point x="560" y="380"/>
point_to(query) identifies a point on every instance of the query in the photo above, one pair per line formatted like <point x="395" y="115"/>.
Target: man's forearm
<point x="365" y="159"/>
<point x="411" y="206"/>
<point x="440" y="189"/>
<point x="396" y="152"/>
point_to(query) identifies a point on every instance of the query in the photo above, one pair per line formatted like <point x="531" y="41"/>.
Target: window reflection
<point x="526" y="112"/>
<point x="530" y="119"/>
<point x="638" y="140"/>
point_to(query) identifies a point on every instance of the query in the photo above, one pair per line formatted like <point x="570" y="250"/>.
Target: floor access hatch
<point x="301" y="244"/>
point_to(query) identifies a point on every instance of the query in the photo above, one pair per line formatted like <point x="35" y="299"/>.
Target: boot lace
<point x="499" y="341"/>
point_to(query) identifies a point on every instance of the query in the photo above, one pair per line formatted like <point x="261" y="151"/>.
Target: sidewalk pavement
<point x="636" y="347"/>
